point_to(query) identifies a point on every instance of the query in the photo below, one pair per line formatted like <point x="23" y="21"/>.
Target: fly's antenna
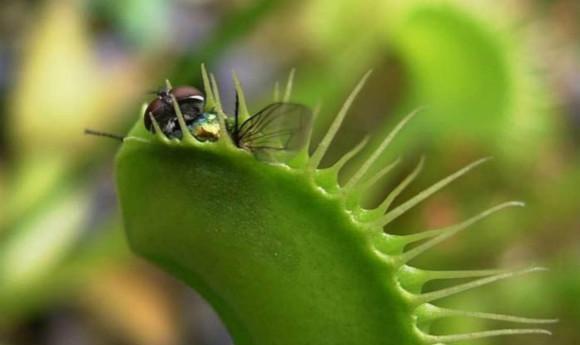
<point x="104" y="134"/>
<point x="160" y="92"/>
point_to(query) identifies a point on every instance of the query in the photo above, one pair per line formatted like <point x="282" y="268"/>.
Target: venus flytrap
<point x="283" y="252"/>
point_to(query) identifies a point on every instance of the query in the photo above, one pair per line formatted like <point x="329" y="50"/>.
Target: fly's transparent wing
<point x="278" y="128"/>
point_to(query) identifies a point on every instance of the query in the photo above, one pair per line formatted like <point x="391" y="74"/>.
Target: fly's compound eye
<point x="190" y="101"/>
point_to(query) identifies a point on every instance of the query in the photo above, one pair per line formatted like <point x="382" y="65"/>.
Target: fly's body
<point x="280" y="126"/>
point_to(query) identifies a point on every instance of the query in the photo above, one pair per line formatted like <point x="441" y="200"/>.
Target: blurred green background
<point x="500" y="78"/>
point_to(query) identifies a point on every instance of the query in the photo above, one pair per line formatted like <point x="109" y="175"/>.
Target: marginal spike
<point x="210" y="102"/>
<point x="219" y="110"/>
<point x="460" y="274"/>
<point x="143" y="108"/>
<point x="376" y="177"/>
<point x="289" y="84"/>
<point x="377" y="153"/>
<point x="186" y="134"/>
<point x="276" y="93"/>
<point x="315" y="113"/>
<point x="423" y="235"/>
<point x="302" y="157"/>
<point x="413" y="279"/>
<point x="350" y="154"/>
<point x="158" y="132"/>
<point x="215" y="91"/>
<point x="445" y="233"/>
<point x="168" y="85"/>
<point x="401" y="209"/>
<point x="241" y="98"/>
<point x="434" y="339"/>
<point x="384" y="206"/>
<point x="435" y="295"/>
<point x="438" y="313"/>
<point x="330" y="134"/>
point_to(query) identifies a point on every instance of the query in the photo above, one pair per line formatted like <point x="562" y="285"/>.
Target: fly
<point x="280" y="127"/>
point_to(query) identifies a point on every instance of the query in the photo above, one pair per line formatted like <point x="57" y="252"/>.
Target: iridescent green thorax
<point x="206" y="127"/>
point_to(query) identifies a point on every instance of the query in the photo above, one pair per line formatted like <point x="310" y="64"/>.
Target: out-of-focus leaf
<point x="107" y="248"/>
<point x="233" y="27"/>
<point x="3" y="211"/>
<point x="145" y="24"/>
<point x="32" y="180"/>
<point x="61" y="88"/>
<point x="41" y="243"/>
<point x="475" y="78"/>
<point x="473" y="74"/>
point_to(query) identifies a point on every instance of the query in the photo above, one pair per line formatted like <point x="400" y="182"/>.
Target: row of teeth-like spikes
<point x="429" y="312"/>
<point x="322" y="147"/>
<point x="384" y="206"/>
<point x="368" y="183"/>
<point x="361" y="172"/>
<point x="447" y="232"/>
<point x="426" y="312"/>
<point x="420" y="277"/>
<point x="349" y="155"/>
<point x="404" y="207"/>
<point x="355" y="180"/>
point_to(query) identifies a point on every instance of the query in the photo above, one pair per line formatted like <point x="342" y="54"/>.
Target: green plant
<point x="284" y="253"/>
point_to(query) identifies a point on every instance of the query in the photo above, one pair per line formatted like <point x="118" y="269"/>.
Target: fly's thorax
<point x="206" y="127"/>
